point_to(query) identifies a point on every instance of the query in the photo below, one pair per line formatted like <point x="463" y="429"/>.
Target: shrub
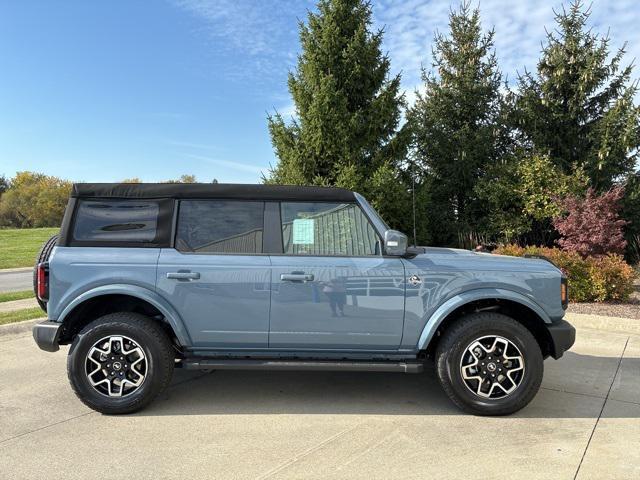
<point x="612" y="278"/>
<point x="522" y="195"/>
<point x="591" y="279"/>
<point x="592" y="225"/>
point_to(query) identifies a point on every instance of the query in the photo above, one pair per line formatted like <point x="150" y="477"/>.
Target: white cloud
<point x="519" y="25"/>
<point x="243" y="167"/>
<point x="287" y="110"/>
<point x="197" y="146"/>
<point x="239" y="24"/>
<point x="262" y="34"/>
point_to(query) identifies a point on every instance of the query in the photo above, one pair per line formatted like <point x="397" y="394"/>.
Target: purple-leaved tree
<point x="592" y="225"/>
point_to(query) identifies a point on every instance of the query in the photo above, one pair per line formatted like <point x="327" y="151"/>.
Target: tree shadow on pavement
<point x="228" y="392"/>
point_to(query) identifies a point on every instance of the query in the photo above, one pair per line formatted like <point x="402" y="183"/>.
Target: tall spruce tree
<point x="631" y="213"/>
<point x="579" y="108"/>
<point x="458" y="127"/>
<point x="348" y="110"/>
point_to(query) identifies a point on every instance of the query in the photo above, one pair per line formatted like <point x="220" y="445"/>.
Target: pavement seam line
<point x="305" y="453"/>
<point x="573" y="393"/>
<point x="46" y="426"/>
<point x="611" y="330"/>
<point x="15" y="270"/>
<point x="87" y="413"/>
<point x="368" y="449"/>
<point x="15" y="336"/>
<point x="193" y="379"/>
<point x="586" y="395"/>
<point x="604" y="404"/>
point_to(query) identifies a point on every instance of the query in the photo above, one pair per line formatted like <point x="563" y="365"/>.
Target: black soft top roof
<point x="210" y="190"/>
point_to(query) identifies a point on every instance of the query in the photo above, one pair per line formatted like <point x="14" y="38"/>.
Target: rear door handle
<point x="183" y="275"/>
<point x="296" y="277"/>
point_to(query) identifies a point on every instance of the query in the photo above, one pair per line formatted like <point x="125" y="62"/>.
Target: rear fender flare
<point x="169" y="313"/>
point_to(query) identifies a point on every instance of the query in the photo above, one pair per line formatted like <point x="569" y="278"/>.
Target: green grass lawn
<point x="19" y="246"/>
<point x="11" y="296"/>
<point x="20" y="315"/>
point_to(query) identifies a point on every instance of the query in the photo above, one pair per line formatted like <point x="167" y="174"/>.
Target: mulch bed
<point x="626" y="310"/>
<point x="629" y="309"/>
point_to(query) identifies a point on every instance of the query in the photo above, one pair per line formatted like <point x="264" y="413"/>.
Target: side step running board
<point x="346" y="366"/>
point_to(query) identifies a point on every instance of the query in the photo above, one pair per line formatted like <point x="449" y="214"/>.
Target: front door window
<point x="327" y="229"/>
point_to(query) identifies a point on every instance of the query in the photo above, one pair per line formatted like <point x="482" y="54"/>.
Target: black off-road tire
<point x="43" y="256"/>
<point x="149" y="336"/>
<point x="453" y="345"/>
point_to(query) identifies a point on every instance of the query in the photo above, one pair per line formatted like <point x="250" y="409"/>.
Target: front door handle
<point x="296" y="277"/>
<point x="183" y="275"/>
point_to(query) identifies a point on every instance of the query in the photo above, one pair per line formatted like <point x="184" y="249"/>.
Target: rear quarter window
<point x="117" y="221"/>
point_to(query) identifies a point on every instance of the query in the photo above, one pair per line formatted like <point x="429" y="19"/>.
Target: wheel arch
<point x="510" y="303"/>
<point x="117" y="298"/>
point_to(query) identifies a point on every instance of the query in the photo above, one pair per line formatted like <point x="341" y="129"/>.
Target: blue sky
<point x="101" y="91"/>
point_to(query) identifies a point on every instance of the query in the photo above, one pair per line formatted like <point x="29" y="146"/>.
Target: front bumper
<point x="563" y="336"/>
<point x="46" y="335"/>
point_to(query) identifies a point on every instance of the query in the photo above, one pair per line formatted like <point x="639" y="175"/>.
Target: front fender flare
<point x="461" y="299"/>
<point x="169" y="313"/>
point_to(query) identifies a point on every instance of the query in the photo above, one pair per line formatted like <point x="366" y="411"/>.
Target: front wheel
<point x="489" y="364"/>
<point x="120" y="362"/>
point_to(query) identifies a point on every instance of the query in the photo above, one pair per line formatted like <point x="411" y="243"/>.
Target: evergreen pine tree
<point x="457" y="124"/>
<point x="348" y="110"/>
<point x="631" y="213"/>
<point x="579" y="108"/>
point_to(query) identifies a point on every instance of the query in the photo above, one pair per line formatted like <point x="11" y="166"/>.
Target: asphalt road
<point x="584" y="423"/>
<point x="15" y="280"/>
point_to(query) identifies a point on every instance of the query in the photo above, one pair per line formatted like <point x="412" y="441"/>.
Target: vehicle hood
<point x="458" y="258"/>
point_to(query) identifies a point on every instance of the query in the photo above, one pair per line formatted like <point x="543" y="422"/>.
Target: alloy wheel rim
<point x="492" y="367"/>
<point x="116" y="366"/>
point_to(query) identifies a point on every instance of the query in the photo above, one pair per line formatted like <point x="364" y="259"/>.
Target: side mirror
<point x="395" y="243"/>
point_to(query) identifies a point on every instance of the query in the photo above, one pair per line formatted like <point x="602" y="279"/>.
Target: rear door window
<point x="220" y="226"/>
<point x="118" y="221"/>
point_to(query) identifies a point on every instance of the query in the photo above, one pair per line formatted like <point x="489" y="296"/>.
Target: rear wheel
<point x="120" y="362"/>
<point x="489" y="364"/>
<point x="43" y="256"/>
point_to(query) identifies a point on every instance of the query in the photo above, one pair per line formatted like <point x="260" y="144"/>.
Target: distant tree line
<point x="488" y="163"/>
<point x="32" y="200"/>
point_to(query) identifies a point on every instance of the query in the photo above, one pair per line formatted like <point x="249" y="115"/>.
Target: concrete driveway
<point x="584" y="423"/>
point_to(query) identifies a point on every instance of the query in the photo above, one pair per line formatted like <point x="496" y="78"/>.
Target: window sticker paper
<point x="303" y="231"/>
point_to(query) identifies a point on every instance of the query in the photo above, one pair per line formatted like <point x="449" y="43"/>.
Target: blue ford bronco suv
<point x="144" y="278"/>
